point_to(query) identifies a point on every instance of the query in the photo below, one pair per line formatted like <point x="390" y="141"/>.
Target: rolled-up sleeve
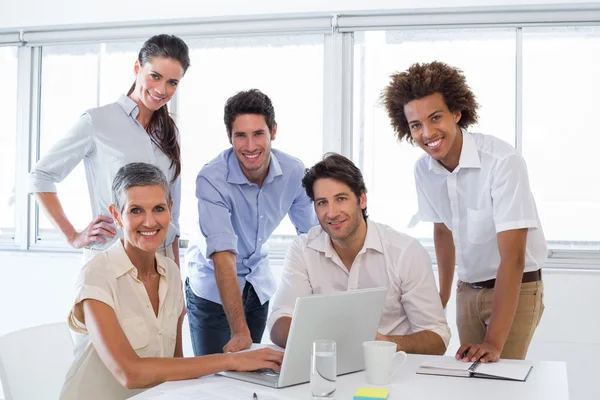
<point x="63" y="157"/>
<point x="302" y="212"/>
<point x="294" y="283"/>
<point x="92" y="283"/>
<point x="420" y="298"/>
<point x="513" y="204"/>
<point x="214" y="218"/>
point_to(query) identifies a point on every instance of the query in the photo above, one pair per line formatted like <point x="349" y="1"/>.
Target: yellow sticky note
<point x="371" y="393"/>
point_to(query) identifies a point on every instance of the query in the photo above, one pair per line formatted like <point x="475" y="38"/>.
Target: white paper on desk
<point x="218" y="391"/>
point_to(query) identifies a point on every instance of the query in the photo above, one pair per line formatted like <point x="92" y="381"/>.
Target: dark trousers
<point x="209" y="328"/>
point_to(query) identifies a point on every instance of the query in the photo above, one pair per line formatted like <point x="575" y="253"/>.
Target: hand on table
<point x="484" y="352"/>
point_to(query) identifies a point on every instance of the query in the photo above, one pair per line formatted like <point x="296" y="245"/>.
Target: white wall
<point x="34" y="13"/>
<point x="38" y="288"/>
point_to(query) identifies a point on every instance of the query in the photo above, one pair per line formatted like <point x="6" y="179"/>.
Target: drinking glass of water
<point x="323" y="370"/>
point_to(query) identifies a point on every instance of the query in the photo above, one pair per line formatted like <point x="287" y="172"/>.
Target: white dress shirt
<point x="488" y="192"/>
<point x="388" y="259"/>
<point x="111" y="278"/>
<point x="105" y="138"/>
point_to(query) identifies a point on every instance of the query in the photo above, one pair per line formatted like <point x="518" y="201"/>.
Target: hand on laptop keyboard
<point x="256" y="359"/>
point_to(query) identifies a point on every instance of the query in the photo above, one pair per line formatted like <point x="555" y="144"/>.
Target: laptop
<point x="350" y="318"/>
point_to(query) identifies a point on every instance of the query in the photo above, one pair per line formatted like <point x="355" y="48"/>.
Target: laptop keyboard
<point x="267" y="371"/>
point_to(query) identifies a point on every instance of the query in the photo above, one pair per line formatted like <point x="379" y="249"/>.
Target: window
<point x="487" y="58"/>
<point x="560" y="136"/>
<point x="116" y="70"/>
<point x="68" y="88"/>
<point x="288" y="69"/>
<point x="74" y="79"/>
<point x="8" y="137"/>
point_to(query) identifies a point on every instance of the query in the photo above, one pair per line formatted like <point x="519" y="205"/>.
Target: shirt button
<point x="245" y="262"/>
<point x="262" y="216"/>
<point x="159" y="332"/>
<point x="260" y="239"/>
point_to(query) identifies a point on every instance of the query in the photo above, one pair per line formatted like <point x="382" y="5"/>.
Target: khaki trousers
<point x="165" y="251"/>
<point x="474" y="311"/>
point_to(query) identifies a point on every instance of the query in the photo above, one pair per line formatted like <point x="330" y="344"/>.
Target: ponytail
<point x="161" y="127"/>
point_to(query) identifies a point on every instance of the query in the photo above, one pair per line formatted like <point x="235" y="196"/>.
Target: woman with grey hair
<point x="128" y="310"/>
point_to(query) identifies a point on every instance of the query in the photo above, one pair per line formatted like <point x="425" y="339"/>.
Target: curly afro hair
<point x="422" y="80"/>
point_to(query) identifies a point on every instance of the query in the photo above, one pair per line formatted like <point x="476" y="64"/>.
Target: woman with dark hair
<point x="135" y="128"/>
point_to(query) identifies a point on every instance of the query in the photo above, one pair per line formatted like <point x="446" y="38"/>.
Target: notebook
<point x="499" y="370"/>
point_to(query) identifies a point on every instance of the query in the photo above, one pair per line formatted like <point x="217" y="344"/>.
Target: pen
<point x="254" y="396"/>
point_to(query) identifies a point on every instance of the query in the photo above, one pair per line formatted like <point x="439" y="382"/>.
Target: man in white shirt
<point x="475" y="189"/>
<point x="349" y="251"/>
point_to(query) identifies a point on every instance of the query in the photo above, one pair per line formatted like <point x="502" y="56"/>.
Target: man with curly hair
<point x="475" y="189"/>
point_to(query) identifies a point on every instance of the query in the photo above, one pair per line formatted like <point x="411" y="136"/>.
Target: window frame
<point x="339" y="31"/>
<point x="7" y="236"/>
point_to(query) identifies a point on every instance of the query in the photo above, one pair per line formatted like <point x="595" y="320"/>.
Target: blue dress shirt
<point x="239" y="216"/>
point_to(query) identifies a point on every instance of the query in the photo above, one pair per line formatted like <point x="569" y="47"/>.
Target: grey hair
<point x="137" y="174"/>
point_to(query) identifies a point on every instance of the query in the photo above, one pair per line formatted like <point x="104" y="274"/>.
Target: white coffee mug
<point x="380" y="357"/>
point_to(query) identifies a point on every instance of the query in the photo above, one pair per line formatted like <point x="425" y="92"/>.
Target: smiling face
<point x="251" y="141"/>
<point x="156" y="82"/>
<point x="435" y="128"/>
<point x="145" y="217"/>
<point x="338" y="209"/>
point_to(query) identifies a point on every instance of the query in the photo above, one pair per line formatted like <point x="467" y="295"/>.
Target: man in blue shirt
<point x="243" y="194"/>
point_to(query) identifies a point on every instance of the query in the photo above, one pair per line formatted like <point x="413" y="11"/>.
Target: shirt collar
<point x="237" y="177"/>
<point x="322" y="242"/>
<point x="469" y="156"/>
<point x="129" y="106"/>
<point x="121" y="264"/>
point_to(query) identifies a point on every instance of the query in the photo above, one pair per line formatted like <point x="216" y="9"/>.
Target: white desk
<point x="547" y="381"/>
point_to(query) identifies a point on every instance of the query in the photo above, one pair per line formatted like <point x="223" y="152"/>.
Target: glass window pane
<point x="69" y="87"/>
<point x="74" y="79"/>
<point x="487" y="58"/>
<point x="288" y="69"/>
<point x="8" y="136"/>
<point x="116" y="70"/>
<point x="560" y="140"/>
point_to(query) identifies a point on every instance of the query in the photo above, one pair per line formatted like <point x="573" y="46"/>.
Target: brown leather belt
<point x="532" y="276"/>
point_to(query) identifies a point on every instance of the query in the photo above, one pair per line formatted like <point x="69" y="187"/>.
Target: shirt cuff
<point x="37" y="185"/>
<point x="87" y="292"/>
<point x="176" y="227"/>
<point x="507" y="226"/>
<point x="279" y="313"/>
<point x="444" y="333"/>
<point x="223" y="242"/>
<point x="429" y="218"/>
<point x="94" y="293"/>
